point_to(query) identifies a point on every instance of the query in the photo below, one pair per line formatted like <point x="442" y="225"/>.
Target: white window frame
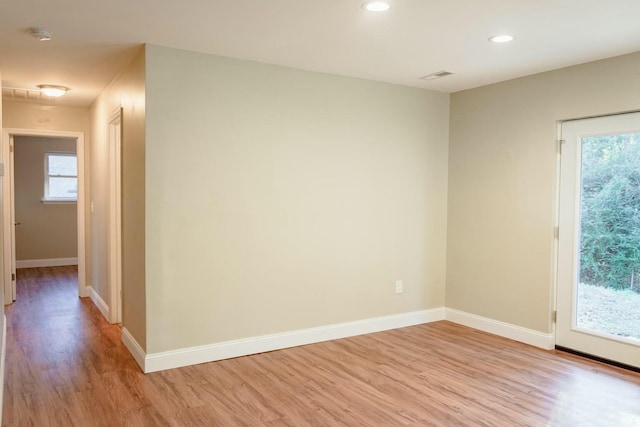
<point x="46" y="198"/>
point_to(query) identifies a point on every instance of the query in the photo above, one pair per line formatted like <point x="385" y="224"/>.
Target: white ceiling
<point x="94" y="39"/>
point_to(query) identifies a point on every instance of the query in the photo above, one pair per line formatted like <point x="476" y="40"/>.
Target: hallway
<point x="62" y="355"/>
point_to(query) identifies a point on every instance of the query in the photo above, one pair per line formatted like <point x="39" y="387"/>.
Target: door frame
<point x="557" y="253"/>
<point x="8" y="206"/>
<point x="115" y="216"/>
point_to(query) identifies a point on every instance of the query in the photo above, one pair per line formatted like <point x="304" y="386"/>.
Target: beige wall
<point x="502" y="167"/>
<point x="25" y="115"/>
<point x="46" y="230"/>
<point x="279" y="199"/>
<point x="126" y="91"/>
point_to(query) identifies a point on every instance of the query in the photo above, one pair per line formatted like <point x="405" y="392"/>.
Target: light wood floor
<point x="66" y="366"/>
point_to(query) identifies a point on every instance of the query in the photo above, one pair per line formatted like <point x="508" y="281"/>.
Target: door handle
<point x="17" y="223"/>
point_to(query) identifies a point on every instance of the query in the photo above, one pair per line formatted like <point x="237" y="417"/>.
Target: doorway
<point x="598" y="295"/>
<point x="10" y="222"/>
<point x="45" y="201"/>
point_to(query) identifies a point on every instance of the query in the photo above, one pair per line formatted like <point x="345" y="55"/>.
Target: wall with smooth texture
<point x="279" y="199"/>
<point x="125" y="92"/>
<point x="502" y="184"/>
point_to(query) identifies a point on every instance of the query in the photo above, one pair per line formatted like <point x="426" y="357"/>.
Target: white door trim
<point x="7" y="188"/>
<point x="115" y="216"/>
<point x="568" y="334"/>
<point x="12" y="218"/>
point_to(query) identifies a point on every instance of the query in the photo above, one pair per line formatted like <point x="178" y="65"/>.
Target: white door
<point x="598" y="299"/>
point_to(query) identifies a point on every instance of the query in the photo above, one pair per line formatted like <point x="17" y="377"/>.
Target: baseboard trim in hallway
<point x="134" y="348"/>
<point x="99" y="302"/>
<point x="48" y="262"/>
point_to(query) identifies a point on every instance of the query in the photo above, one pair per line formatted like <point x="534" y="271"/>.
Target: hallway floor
<point x="65" y="363"/>
<point x="66" y="366"/>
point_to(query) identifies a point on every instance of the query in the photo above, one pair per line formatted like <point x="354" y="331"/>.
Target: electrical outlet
<point x="399" y="287"/>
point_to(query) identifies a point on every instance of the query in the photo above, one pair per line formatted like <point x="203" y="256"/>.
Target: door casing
<point x="115" y="216"/>
<point x="568" y="202"/>
<point x="8" y="207"/>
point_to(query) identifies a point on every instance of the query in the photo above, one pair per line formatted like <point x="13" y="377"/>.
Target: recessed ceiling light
<point x="502" y="38"/>
<point x="376" y="6"/>
<point x="53" y="91"/>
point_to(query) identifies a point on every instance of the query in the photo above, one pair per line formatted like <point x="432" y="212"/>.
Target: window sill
<point x="58" y="202"/>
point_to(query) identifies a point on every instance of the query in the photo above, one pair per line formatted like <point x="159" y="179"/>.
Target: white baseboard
<point x="243" y="347"/>
<point x="506" y="330"/>
<point x="134" y="348"/>
<point x="99" y="302"/>
<point x="154" y="362"/>
<point x="48" y="262"/>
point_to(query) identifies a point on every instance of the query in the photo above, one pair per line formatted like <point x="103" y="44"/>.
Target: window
<point x="60" y="177"/>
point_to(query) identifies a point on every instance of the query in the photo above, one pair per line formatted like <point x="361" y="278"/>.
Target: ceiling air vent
<point x="436" y="75"/>
<point x="21" y="94"/>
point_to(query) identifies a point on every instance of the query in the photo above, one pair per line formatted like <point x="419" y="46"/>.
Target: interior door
<point x="598" y="298"/>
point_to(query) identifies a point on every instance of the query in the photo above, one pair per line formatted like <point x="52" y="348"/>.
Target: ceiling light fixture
<point x="53" y="91"/>
<point x="376" y="6"/>
<point x="502" y="38"/>
<point x="41" y="34"/>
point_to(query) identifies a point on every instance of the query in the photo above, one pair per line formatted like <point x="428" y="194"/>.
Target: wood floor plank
<point x="66" y="366"/>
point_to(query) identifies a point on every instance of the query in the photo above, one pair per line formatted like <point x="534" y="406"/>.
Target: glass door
<point x="598" y="299"/>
